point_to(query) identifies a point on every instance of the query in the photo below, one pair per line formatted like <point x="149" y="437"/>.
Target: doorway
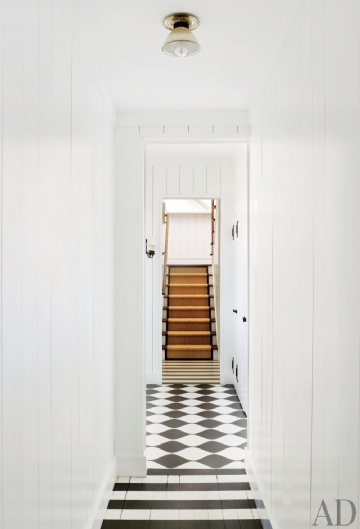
<point x="194" y="171"/>
<point x="190" y="351"/>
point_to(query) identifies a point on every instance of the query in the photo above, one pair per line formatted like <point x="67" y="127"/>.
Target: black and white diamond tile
<point x="196" y="435"/>
<point x="199" y="426"/>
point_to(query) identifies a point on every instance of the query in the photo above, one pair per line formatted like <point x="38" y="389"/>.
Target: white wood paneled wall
<point x="240" y="256"/>
<point x="305" y="262"/>
<point x="57" y="269"/>
<point x="189" y="239"/>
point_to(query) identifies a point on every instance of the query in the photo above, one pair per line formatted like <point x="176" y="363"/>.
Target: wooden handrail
<point x="167" y="221"/>
<point x="212" y="227"/>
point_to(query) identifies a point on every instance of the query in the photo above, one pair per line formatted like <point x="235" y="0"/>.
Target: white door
<point x="241" y="295"/>
<point x="241" y="323"/>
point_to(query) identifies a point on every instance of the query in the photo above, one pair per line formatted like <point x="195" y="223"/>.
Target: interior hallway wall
<point x="189" y="239"/>
<point x="57" y="276"/>
<point x="240" y="256"/>
<point x="305" y="262"/>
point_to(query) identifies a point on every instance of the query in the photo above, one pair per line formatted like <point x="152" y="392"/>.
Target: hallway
<point x="196" y="436"/>
<point x="249" y="151"/>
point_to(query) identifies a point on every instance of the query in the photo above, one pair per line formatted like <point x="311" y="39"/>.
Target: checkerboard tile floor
<point x="196" y="435"/>
<point x="195" y="427"/>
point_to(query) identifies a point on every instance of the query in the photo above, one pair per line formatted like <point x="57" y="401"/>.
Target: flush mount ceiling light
<point x="181" y="42"/>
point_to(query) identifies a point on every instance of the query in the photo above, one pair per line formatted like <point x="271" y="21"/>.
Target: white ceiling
<point x="236" y="37"/>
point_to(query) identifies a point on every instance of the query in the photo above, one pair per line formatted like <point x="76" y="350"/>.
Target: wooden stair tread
<point x="186" y="285"/>
<point x="188" y="320"/>
<point x="192" y="274"/>
<point x="190" y="333"/>
<point x="190" y="307"/>
<point x="190" y="347"/>
<point x="188" y="296"/>
<point x="199" y="347"/>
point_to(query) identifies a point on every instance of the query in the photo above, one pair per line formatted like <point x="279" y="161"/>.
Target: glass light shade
<point x="181" y="43"/>
<point x="151" y="241"/>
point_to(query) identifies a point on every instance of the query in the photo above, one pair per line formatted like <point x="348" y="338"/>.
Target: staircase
<point x="189" y="336"/>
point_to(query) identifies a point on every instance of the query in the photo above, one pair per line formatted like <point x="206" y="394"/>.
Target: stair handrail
<point x="213" y="207"/>
<point x="167" y="222"/>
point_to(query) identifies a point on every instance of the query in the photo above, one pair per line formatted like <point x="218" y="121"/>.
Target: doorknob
<point x="244" y="319"/>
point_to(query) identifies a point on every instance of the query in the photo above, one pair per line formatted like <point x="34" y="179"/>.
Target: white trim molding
<point x="103" y="499"/>
<point x="134" y="130"/>
<point x="201" y="121"/>
<point x="132" y="466"/>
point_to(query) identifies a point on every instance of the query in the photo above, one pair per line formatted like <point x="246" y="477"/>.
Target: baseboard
<point x="153" y="378"/>
<point x="103" y="498"/>
<point x="260" y="497"/>
<point x="134" y="466"/>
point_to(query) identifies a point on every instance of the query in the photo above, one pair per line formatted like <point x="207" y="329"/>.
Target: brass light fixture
<point x="181" y="42"/>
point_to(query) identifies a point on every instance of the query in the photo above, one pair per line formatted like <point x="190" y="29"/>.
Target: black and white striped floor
<point x="196" y="435"/>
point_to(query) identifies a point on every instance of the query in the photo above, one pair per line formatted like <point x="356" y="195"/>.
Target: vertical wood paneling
<point x="342" y="94"/>
<point x="303" y="277"/>
<point x="184" y="236"/>
<point x="240" y="195"/>
<point x="98" y="308"/>
<point x="1" y="233"/>
<point x="320" y="352"/>
<point x="149" y="269"/>
<point x="213" y="180"/>
<point x="78" y="126"/>
<point x="173" y="179"/>
<point x="199" y="231"/>
<point x="175" y="227"/>
<point x="199" y="180"/>
<point x="186" y="179"/>
<point x="13" y="490"/>
<point x="106" y="398"/>
<point x="159" y="188"/>
<point x="89" y="293"/>
<point x="192" y="240"/>
<point x="307" y="127"/>
<point x="83" y="219"/>
<point x="29" y="256"/>
<point x="57" y="280"/>
<point x="44" y="273"/>
<point x="61" y="127"/>
<point x="189" y="237"/>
